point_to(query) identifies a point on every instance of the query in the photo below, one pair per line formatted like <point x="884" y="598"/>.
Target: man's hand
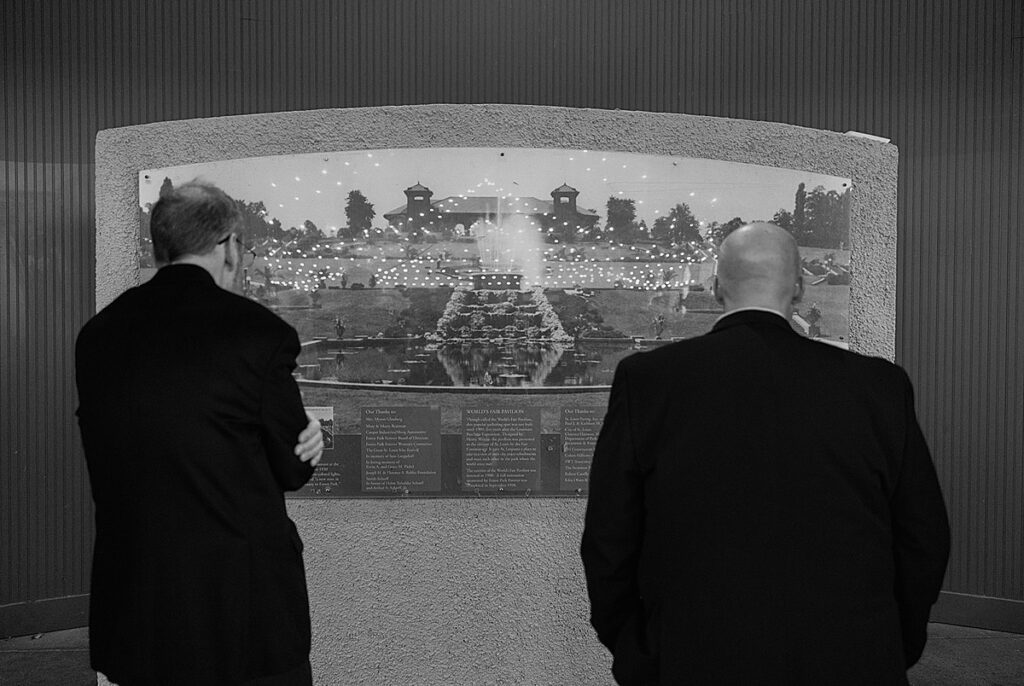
<point x="311" y="442"/>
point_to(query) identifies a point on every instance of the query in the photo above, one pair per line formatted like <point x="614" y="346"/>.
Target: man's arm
<point x="613" y="530"/>
<point x="283" y="417"/>
<point x="920" y="534"/>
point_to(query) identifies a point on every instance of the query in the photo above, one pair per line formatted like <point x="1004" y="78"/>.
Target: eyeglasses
<point x="248" y="254"/>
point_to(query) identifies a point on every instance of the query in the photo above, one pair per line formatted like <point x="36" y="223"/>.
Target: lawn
<point x="632" y="312"/>
<point x="366" y="312"/>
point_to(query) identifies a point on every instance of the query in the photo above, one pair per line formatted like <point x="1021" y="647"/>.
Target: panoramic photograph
<point x="450" y="278"/>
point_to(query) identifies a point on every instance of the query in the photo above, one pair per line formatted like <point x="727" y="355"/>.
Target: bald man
<point x="763" y="508"/>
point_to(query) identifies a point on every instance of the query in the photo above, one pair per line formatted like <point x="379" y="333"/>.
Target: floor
<point x="60" y="657"/>
<point x="955" y="656"/>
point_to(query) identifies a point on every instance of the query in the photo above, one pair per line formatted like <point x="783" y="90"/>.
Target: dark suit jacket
<point x="189" y="415"/>
<point x="763" y="509"/>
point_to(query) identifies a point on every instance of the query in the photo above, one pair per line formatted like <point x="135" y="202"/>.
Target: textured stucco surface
<point x="479" y="591"/>
<point x="470" y="591"/>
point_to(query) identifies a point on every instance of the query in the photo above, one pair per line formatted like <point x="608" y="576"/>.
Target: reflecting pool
<point x="497" y="364"/>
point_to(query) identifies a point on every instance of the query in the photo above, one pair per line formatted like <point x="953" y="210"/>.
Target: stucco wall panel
<point x="478" y="591"/>
<point x="448" y="592"/>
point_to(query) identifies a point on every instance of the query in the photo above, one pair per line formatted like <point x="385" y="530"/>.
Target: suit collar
<point x="173" y="274"/>
<point x="751" y="316"/>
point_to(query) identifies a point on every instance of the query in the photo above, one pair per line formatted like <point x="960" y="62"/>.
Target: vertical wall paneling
<point x="941" y="78"/>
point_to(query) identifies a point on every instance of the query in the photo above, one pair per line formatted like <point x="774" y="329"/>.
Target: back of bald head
<point x="759" y="266"/>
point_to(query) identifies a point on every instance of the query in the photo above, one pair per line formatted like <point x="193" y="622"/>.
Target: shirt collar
<point x="751" y="309"/>
<point x="182" y="272"/>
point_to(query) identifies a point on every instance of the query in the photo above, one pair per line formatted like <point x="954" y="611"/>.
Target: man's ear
<point x="717" y="290"/>
<point x="798" y="290"/>
<point x="232" y="255"/>
<point x="231" y="273"/>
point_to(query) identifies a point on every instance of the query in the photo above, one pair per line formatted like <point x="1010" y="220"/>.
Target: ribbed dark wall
<point x="941" y="78"/>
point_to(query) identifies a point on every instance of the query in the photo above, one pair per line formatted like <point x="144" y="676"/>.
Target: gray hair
<point x="190" y="220"/>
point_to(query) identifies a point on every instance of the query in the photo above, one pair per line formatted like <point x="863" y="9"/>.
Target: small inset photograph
<point x="325" y="415"/>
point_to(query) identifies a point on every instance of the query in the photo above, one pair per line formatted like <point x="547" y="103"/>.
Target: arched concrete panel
<point x="474" y="591"/>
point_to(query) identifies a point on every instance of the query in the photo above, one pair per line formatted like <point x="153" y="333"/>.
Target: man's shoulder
<point x="221" y="310"/>
<point x="715" y="347"/>
<point x="879" y="370"/>
<point x="864" y="362"/>
<point x="246" y="311"/>
<point x="872" y="373"/>
<point x="256" y="310"/>
<point x="245" y="319"/>
<point x="118" y="312"/>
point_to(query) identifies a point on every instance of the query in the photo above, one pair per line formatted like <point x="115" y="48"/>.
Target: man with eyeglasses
<point x="246" y="257"/>
<point x="189" y="417"/>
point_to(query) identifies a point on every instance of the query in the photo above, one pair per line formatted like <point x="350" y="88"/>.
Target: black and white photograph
<point x="496" y="269"/>
<point x="511" y="342"/>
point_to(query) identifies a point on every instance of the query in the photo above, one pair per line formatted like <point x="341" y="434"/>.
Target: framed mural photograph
<point x="462" y="310"/>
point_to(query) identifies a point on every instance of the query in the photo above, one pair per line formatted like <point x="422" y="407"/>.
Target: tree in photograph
<point x="713" y="233"/>
<point x="310" y="230"/>
<point x="267" y="274"/>
<point x="826" y="223"/>
<point x="255" y="227"/>
<point x="561" y="232"/>
<point x="166" y="187"/>
<point x="799" y="213"/>
<point x="678" y="226"/>
<point x="718" y="232"/>
<point x="621" y="213"/>
<point x="783" y="219"/>
<point x="732" y="225"/>
<point x="661" y="231"/>
<point x="359" y="212"/>
<point x="275" y="229"/>
<point x="307" y="236"/>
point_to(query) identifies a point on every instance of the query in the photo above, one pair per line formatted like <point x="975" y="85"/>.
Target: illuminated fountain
<point x="502" y="331"/>
<point x="512" y="247"/>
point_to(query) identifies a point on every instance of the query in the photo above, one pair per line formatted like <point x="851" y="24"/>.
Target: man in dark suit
<point x="189" y="416"/>
<point x="763" y="508"/>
